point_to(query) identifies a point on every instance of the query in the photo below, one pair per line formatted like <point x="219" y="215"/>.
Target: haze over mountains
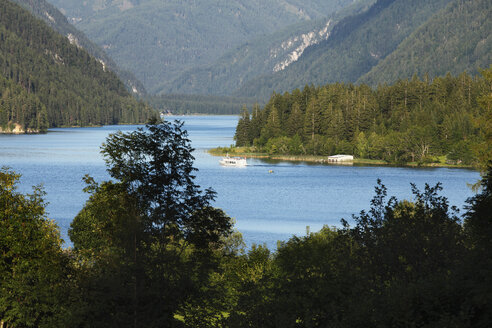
<point x="252" y="48"/>
<point x="264" y="55"/>
<point x="159" y="40"/>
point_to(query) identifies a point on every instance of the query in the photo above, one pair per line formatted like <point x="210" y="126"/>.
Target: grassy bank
<point x="250" y="153"/>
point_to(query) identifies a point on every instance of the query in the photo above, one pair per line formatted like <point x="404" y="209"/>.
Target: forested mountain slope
<point x="355" y="45"/>
<point x="457" y="39"/>
<point x="251" y="59"/>
<point x="46" y="81"/>
<point x="159" y="40"/>
<point x="267" y="54"/>
<point x="56" y="20"/>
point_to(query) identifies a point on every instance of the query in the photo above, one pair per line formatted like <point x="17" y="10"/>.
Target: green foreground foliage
<point x="149" y="238"/>
<point x="402" y="264"/>
<point x="33" y="267"/>
<point x="413" y="120"/>
<point x="150" y="251"/>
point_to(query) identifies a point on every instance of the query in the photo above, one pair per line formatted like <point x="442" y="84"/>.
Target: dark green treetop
<point x="153" y="230"/>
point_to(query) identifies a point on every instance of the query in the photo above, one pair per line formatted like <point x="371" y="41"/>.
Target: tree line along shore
<point x="248" y="152"/>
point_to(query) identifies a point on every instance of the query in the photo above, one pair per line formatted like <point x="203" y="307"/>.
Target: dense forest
<point x="416" y="120"/>
<point x="149" y="250"/>
<point x="61" y="83"/>
<point x="20" y="109"/>
<point x="198" y="104"/>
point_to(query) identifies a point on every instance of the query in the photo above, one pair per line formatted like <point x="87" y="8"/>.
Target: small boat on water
<point x="233" y="161"/>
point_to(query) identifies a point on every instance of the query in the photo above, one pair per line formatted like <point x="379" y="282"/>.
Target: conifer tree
<point x="312" y="120"/>
<point x="255" y="123"/>
<point x="484" y="149"/>
<point x="243" y="128"/>
<point x="272" y="127"/>
<point x="295" y="121"/>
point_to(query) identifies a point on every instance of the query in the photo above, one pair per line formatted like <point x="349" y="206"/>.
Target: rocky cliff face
<point x="294" y="47"/>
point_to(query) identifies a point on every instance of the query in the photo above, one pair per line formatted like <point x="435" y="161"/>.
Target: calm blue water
<point x="267" y="207"/>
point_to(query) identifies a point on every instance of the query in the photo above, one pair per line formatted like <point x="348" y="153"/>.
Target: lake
<point x="266" y="206"/>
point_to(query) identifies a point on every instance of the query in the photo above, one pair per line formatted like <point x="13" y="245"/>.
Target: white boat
<point x="233" y="161"/>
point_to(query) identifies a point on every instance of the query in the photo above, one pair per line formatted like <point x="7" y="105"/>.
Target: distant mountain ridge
<point x="56" y="20"/>
<point x="159" y="40"/>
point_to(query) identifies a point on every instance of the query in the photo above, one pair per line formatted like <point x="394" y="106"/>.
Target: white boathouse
<point x="340" y="158"/>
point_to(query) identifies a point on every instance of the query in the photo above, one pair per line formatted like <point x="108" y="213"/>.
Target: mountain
<point x="356" y="44"/>
<point x="45" y="81"/>
<point x="266" y="54"/>
<point x="249" y="60"/>
<point x="56" y="20"/>
<point x="457" y="39"/>
<point x="159" y="40"/>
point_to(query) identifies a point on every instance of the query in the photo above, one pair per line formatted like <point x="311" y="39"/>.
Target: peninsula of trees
<point x="47" y="82"/>
<point x="416" y="120"/>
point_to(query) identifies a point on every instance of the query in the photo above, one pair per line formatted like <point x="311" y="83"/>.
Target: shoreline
<point x="201" y="114"/>
<point x="323" y="160"/>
